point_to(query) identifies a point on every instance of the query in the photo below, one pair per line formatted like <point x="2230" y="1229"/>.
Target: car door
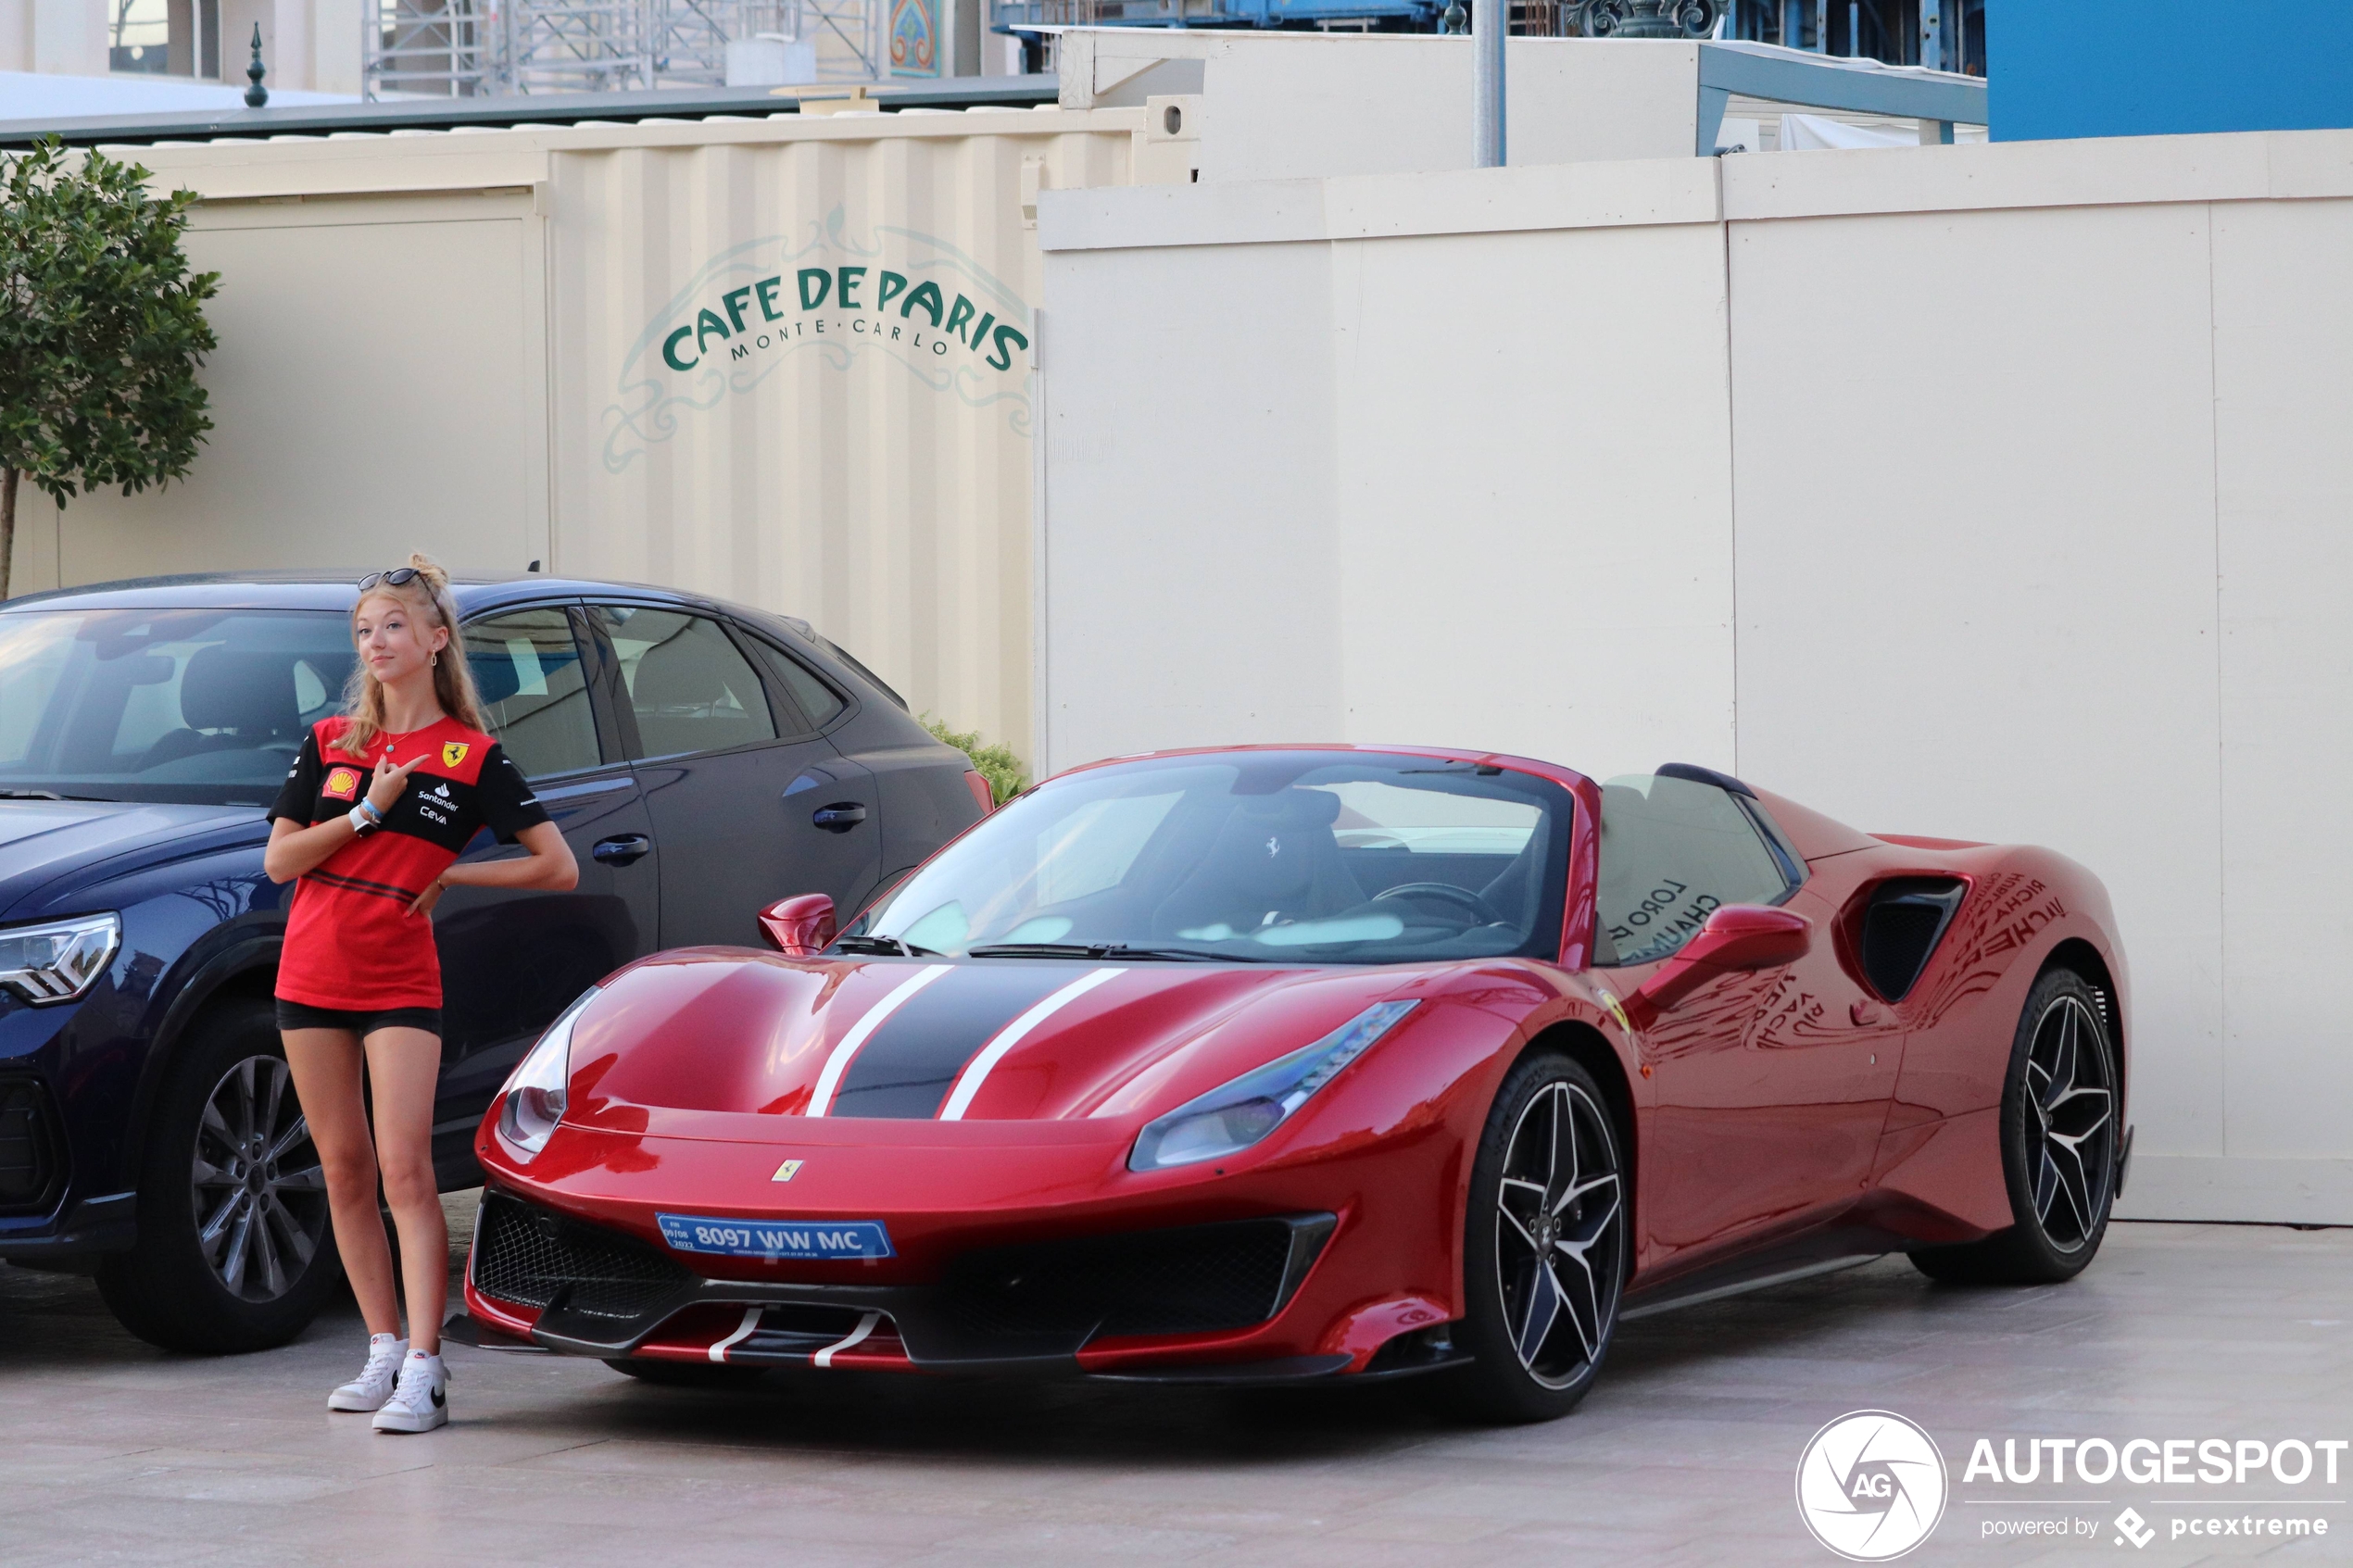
<point x="748" y="804"/>
<point x="1771" y="1086"/>
<point x="511" y="959"/>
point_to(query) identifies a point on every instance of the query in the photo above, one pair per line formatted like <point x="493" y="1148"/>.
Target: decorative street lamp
<point x="1646" y="19"/>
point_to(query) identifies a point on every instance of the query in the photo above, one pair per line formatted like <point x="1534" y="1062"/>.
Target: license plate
<point x="776" y="1238"/>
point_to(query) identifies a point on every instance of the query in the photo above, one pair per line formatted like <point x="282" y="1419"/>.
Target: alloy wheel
<point x="261" y="1194"/>
<point x="2071" y="1110"/>
<point x="1560" y="1235"/>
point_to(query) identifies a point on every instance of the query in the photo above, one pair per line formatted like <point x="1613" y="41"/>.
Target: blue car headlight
<point x="1236" y="1114"/>
<point x="58" y="960"/>
<point x="540" y="1088"/>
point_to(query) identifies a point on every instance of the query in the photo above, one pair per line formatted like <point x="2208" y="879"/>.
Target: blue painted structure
<point x="2150" y="68"/>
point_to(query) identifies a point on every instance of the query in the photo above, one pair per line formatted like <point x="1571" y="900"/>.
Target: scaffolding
<point x="479" y="48"/>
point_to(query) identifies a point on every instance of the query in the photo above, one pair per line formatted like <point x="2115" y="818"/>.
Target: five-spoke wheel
<point x="2060" y="1135"/>
<point x="1545" y="1244"/>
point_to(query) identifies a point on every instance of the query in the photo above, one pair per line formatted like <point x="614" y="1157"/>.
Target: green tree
<point x="996" y="763"/>
<point x="101" y="331"/>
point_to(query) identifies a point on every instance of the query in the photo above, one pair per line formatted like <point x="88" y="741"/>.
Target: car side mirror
<point x="1737" y="938"/>
<point x="800" y="926"/>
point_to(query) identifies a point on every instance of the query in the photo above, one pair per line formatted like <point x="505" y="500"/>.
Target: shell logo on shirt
<point x="341" y="784"/>
<point x="452" y="753"/>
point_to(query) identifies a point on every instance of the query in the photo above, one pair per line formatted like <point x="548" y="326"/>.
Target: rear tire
<point x="235" y="1251"/>
<point x="2059" y="1130"/>
<point x="1544" y="1246"/>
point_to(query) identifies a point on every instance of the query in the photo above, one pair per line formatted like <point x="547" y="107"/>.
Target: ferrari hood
<point x="911" y="1040"/>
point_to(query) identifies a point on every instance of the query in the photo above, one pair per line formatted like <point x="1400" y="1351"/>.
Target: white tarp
<point x="1814" y="133"/>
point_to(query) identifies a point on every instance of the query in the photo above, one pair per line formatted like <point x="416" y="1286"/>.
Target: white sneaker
<point x="421" y="1402"/>
<point x="373" y="1386"/>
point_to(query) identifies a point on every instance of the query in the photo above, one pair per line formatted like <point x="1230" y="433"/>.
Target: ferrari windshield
<point x="1313" y="857"/>
<point x="196" y="706"/>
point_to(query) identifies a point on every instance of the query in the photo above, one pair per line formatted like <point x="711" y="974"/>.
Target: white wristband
<point x="360" y="821"/>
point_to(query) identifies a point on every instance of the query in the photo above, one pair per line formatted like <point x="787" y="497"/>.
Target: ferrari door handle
<point x="1864" y="1012"/>
<point x="623" y="850"/>
<point x="839" y="817"/>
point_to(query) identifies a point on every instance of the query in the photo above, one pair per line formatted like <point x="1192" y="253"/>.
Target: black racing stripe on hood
<point x="909" y="1065"/>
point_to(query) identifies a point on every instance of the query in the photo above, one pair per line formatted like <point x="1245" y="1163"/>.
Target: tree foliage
<point x="996" y="763"/>
<point x="101" y="331"/>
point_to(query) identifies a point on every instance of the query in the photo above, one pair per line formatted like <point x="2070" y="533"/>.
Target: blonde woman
<point x="372" y="820"/>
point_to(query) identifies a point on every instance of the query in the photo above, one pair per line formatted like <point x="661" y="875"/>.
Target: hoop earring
<point x="436" y="661"/>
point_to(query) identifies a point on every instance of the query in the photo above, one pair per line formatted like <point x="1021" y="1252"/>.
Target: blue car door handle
<point x="622" y="851"/>
<point x="839" y="817"/>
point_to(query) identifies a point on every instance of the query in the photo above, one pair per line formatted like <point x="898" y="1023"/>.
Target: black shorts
<point x="300" y="1015"/>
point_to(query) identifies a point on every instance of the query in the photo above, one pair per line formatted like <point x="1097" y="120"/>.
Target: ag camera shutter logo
<point x="1871" y="1485"/>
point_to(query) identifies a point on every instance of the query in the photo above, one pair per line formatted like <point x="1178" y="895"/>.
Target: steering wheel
<point x="1445" y="893"/>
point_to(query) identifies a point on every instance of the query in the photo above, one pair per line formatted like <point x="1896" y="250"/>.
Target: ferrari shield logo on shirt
<point x="341" y="784"/>
<point x="452" y="753"/>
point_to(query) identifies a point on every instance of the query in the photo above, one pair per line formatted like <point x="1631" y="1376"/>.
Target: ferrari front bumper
<point x="562" y="1283"/>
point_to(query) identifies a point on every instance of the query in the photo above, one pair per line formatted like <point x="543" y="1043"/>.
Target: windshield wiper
<point x="1102" y="951"/>
<point x="44" y="794"/>
<point x="890" y="945"/>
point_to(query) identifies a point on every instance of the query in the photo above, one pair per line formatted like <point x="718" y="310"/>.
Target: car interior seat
<point x="230" y="700"/>
<point x="1273" y="859"/>
<point x="684" y="703"/>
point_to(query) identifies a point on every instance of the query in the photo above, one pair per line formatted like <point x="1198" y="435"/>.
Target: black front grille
<point x="31" y="1166"/>
<point x="530" y="1257"/>
<point x="1198" y="1280"/>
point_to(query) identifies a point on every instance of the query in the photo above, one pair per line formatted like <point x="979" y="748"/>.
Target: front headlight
<point x="1232" y="1117"/>
<point x="59" y="960"/>
<point x="536" y="1093"/>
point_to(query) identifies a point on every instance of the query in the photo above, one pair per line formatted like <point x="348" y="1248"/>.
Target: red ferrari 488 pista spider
<point x="1286" y="1063"/>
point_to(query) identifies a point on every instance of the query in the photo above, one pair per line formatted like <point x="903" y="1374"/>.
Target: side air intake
<point x="1901" y="928"/>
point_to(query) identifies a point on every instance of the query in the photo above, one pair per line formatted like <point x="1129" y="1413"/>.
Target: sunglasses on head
<point x="398" y="577"/>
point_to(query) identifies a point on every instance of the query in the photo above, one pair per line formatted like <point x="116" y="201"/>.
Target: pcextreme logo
<point x="831" y="300"/>
<point x="1871" y="1485"/>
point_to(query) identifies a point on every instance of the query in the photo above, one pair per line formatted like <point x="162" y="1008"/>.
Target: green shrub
<point x="998" y="765"/>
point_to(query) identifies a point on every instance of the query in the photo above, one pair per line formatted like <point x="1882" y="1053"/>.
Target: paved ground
<point x="1685" y="1453"/>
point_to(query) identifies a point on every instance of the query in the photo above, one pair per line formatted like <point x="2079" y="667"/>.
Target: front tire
<point x="234" y="1252"/>
<point x="2059" y="1136"/>
<point x="1544" y="1245"/>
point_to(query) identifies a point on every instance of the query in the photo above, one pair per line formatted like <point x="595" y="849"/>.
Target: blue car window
<point x="199" y="707"/>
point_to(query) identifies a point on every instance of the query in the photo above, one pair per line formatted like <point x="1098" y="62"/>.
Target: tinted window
<point x="1673" y="850"/>
<point x="534" y="694"/>
<point x="1269" y="857"/>
<point x="688" y="686"/>
<point x="205" y="706"/>
<point x="816" y="700"/>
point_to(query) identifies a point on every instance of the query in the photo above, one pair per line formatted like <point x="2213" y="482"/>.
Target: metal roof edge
<point x="519" y="109"/>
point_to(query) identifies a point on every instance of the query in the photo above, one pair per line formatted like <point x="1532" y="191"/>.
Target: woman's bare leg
<point x="326" y="1067"/>
<point x="405" y="1067"/>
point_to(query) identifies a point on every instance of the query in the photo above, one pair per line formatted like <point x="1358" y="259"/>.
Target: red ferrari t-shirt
<point x="351" y="942"/>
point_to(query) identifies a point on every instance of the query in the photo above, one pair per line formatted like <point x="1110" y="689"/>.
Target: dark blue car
<point x="702" y="759"/>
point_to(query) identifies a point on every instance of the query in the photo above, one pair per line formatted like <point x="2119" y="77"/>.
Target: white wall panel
<point x="1534" y="551"/>
<point x="2283" y="349"/>
<point x="363" y="407"/>
<point x="1188" y="519"/>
